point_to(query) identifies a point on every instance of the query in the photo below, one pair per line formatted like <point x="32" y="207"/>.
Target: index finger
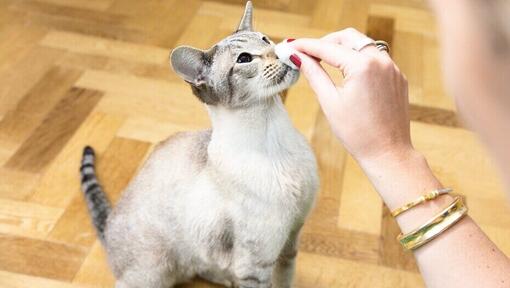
<point x="333" y="54"/>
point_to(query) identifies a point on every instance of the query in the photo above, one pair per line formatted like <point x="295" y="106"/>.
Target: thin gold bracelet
<point x="427" y="197"/>
<point x="434" y="227"/>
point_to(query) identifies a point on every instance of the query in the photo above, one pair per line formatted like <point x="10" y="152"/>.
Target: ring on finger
<point x="363" y="43"/>
<point x="382" y="45"/>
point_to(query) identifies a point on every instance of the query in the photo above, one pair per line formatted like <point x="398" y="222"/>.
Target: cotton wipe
<point x="283" y="50"/>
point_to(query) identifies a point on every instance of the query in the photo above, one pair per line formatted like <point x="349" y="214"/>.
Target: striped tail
<point x="98" y="204"/>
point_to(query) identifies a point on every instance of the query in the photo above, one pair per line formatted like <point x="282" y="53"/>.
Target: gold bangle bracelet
<point x="427" y="197"/>
<point x="434" y="227"/>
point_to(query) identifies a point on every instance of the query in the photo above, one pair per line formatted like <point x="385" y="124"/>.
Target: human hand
<point x="369" y="111"/>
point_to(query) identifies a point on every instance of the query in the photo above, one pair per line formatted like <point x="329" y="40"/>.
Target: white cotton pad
<point x="283" y="50"/>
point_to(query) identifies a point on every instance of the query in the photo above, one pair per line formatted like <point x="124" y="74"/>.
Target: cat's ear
<point x="247" y="20"/>
<point x="189" y="63"/>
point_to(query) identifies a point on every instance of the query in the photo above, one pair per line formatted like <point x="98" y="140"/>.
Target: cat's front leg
<point x="252" y="268"/>
<point x="284" y="270"/>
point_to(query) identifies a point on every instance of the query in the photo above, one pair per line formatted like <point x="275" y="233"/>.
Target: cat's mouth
<point x="280" y="77"/>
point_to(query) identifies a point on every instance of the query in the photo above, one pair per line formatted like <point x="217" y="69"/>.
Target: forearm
<point x="484" y="66"/>
<point x="462" y="256"/>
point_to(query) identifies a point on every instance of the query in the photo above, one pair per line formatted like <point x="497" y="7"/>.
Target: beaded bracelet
<point x="427" y="197"/>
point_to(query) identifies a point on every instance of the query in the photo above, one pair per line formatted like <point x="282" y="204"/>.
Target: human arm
<point x="369" y="115"/>
<point x="475" y="49"/>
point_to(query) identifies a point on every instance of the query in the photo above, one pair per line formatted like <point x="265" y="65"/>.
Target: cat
<point x="226" y="204"/>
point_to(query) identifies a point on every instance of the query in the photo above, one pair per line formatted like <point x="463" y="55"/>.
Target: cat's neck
<point x="263" y="127"/>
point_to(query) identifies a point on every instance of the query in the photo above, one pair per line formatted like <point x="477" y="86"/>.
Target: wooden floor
<point x="76" y="72"/>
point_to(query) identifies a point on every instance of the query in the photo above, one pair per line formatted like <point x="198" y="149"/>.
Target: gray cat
<point x="225" y="204"/>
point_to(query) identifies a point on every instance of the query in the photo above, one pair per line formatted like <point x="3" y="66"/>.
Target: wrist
<point x="400" y="176"/>
<point x="393" y="157"/>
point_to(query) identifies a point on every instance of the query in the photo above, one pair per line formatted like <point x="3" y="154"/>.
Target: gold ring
<point x="382" y="45"/>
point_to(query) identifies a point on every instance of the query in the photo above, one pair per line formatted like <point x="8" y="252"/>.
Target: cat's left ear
<point x="247" y="20"/>
<point x="190" y="63"/>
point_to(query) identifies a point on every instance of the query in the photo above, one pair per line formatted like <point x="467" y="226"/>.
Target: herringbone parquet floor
<point x="76" y="72"/>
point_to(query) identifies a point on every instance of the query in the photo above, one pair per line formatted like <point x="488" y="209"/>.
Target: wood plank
<point x="411" y="64"/>
<point x="17" y="185"/>
<point x="499" y="215"/>
<point x="436" y="116"/>
<point x="331" y="158"/>
<point x="115" y="167"/>
<point x="60" y="184"/>
<point x="15" y="280"/>
<point x="40" y="258"/>
<point x="355" y="14"/>
<point x="407" y="19"/>
<point x="360" y="205"/>
<point x="79" y="43"/>
<point x="16" y="42"/>
<point x="19" y="123"/>
<point x="161" y="30"/>
<point x="230" y="14"/>
<point x="55" y="130"/>
<point x="381" y="28"/>
<point x="98" y="5"/>
<point x="54" y="8"/>
<point x="433" y="85"/>
<point x="16" y="80"/>
<point x="325" y="14"/>
<point x="55" y="17"/>
<point x="324" y="272"/>
<point x="95" y="270"/>
<point x="281" y="31"/>
<point x="390" y="251"/>
<point x="27" y="219"/>
<point x="148" y="129"/>
<point x="341" y="243"/>
<point x="147" y="98"/>
<point x="466" y="157"/>
<point x="303" y="108"/>
<point x="118" y="66"/>
<point x="193" y="35"/>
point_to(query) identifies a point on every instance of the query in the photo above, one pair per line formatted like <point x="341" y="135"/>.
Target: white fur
<point x="260" y="173"/>
<point x="226" y="205"/>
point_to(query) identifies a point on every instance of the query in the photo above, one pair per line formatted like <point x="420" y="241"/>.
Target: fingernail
<point x="290" y="40"/>
<point x="316" y="59"/>
<point x="296" y="60"/>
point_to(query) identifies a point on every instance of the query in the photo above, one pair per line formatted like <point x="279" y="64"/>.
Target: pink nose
<point x="270" y="54"/>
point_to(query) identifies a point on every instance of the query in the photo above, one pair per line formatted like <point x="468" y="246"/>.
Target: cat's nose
<point x="270" y="54"/>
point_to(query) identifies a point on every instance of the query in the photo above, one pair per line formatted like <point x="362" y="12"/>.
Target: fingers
<point x="353" y="39"/>
<point x="319" y="80"/>
<point x="333" y="54"/>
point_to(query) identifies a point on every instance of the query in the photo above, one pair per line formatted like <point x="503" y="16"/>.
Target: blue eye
<point x="244" y="58"/>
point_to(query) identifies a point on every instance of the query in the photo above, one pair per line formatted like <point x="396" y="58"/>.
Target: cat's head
<point x="239" y="71"/>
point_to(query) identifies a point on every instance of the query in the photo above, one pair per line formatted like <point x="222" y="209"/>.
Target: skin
<point x="373" y="98"/>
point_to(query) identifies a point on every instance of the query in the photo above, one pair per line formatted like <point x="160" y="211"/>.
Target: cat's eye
<point x="244" y="58"/>
<point x="266" y="40"/>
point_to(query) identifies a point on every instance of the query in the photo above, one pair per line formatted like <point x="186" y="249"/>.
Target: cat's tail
<point x="98" y="204"/>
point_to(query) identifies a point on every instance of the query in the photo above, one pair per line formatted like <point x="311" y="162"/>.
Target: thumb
<point x="319" y="80"/>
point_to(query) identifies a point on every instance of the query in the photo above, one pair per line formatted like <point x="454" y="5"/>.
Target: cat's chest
<point x="289" y="175"/>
